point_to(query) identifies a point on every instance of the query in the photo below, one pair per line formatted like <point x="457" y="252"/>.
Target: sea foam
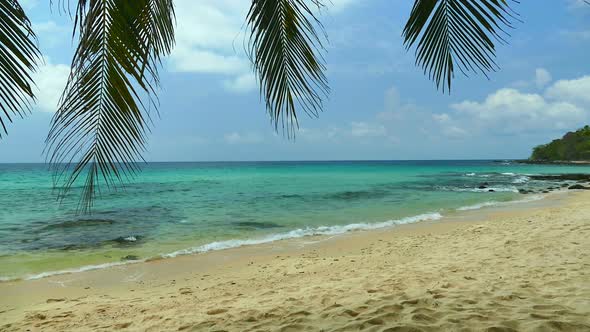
<point x="80" y="269"/>
<point x="228" y="244"/>
<point x="302" y="232"/>
<point x="495" y="203"/>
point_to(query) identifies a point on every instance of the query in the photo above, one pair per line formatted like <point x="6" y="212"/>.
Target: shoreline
<point x="413" y="276"/>
<point x="321" y="231"/>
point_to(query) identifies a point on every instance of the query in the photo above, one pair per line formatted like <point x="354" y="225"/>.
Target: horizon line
<point x="289" y="160"/>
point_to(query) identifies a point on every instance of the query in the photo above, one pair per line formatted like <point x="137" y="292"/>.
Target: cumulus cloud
<point x="210" y="39"/>
<point x="542" y="77"/>
<point x="563" y="105"/>
<point x="50" y="80"/>
<point x="575" y="91"/>
<point x="510" y="111"/>
<point x="51" y="34"/>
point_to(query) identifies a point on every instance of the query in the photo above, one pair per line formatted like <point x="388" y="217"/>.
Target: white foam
<point x="80" y="269"/>
<point x="220" y="245"/>
<point x="521" y="179"/>
<point x="494" y="203"/>
<point x="470" y="174"/>
<point x="130" y="239"/>
<point x="509" y="174"/>
<point x="302" y="232"/>
<point x="477" y="206"/>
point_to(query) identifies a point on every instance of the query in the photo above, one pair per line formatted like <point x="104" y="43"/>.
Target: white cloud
<point x="511" y="111"/>
<point x="449" y="127"/>
<point x="575" y="91"/>
<point x="247" y="138"/>
<point x="542" y="77"/>
<point x="241" y="84"/>
<point x="203" y="61"/>
<point x="364" y="129"/>
<point x="50" y="80"/>
<point x="209" y="34"/>
<point x="52" y="34"/>
<point x="210" y="38"/>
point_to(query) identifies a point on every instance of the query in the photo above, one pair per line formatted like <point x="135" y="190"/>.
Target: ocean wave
<point x="228" y="244"/>
<point x="298" y="233"/>
<point x="521" y="179"/>
<point x="495" y="203"/>
<point x="303" y="232"/>
<point x="509" y="174"/>
<point x="73" y="270"/>
<point x="477" y="206"/>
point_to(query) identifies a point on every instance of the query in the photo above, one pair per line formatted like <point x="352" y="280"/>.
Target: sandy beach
<point x="526" y="268"/>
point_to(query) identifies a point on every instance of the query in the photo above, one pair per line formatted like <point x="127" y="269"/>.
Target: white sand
<point x="519" y="270"/>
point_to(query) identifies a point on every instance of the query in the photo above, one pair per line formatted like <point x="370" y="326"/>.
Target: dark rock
<point x="491" y="190"/>
<point x="130" y="258"/>
<point x="561" y="177"/>
<point x="578" y="186"/>
<point x="523" y="191"/>
<point x="545" y="191"/>
<point x="563" y="185"/>
<point x="482" y="187"/>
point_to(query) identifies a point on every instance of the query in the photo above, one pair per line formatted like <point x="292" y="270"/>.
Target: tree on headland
<point x="573" y="146"/>
<point x="98" y="132"/>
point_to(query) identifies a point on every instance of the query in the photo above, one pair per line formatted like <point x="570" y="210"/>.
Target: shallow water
<point x="176" y="208"/>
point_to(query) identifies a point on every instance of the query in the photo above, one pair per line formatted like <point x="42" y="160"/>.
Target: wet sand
<point x="522" y="269"/>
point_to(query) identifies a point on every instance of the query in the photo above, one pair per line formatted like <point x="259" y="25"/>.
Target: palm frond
<point x="18" y="59"/>
<point x="285" y="47"/>
<point x="99" y="130"/>
<point x="457" y="34"/>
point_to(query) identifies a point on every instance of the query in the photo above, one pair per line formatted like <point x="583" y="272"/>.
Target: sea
<point x="173" y="209"/>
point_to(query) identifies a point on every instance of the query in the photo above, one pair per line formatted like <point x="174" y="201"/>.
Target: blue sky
<point x="381" y="105"/>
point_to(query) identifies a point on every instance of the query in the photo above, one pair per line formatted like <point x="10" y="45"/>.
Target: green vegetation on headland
<point x="572" y="147"/>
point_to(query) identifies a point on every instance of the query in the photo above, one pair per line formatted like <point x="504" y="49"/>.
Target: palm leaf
<point x="457" y="34"/>
<point x="285" y="47"/>
<point x="99" y="130"/>
<point x="18" y="59"/>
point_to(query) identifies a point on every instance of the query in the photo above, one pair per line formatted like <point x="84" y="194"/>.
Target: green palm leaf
<point x="456" y="34"/>
<point x="285" y="47"/>
<point x="103" y="115"/>
<point x="18" y="59"/>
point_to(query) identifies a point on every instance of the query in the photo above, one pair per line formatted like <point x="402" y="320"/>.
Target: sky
<point x="381" y="106"/>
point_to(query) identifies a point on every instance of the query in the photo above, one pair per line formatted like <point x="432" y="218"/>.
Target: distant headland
<point x="572" y="149"/>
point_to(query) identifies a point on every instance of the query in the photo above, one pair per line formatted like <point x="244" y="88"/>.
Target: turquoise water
<point x="177" y="208"/>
